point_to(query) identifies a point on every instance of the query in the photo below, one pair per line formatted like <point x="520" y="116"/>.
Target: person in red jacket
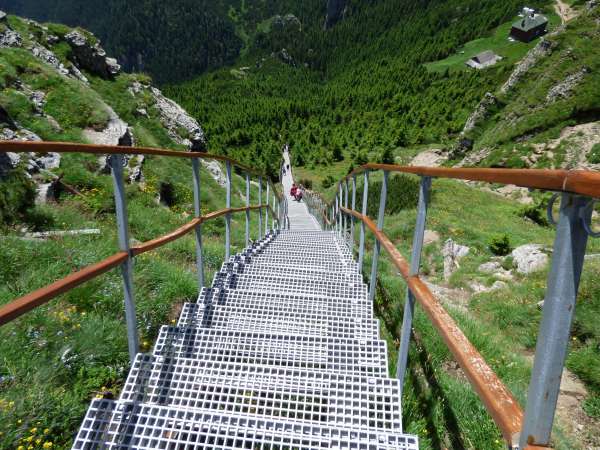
<point x="294" y="190"/>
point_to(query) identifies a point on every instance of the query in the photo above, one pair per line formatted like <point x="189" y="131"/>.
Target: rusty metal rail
<point x="124" y="258"/>
<point x="578" y="190"/>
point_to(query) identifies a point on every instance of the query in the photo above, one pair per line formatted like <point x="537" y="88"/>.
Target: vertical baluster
<point x="361" y="249"/>
<point x="557" y="318"/>
<point x="267" y="208"/>
<point x="260" y="209"/>
<point x="376" y="250"/>
<point x="352" y="218"/>
<point x="247" y="210"/>
<point x="116" y="164"/>
<point x="415" y="264"/>
<point x="198" y="230"/>
<point x="228" y="215"/>
<point x="346" y="216"/>
<point x="275" y="209"/>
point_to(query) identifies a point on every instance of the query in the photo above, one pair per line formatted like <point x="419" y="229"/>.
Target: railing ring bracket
<point x="587" y="226"/>
<point x="550" y="208"/>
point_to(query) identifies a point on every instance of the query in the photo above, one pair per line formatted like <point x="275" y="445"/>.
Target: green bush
<point x="594" y="155"/>
<point x="500" y="245"/>
<point x="403" y="193"/>
<point x="535" y="213"/>
<point x="327" y="182"/>
<point x="306" y="182"/>
<point x="17" y="197"/>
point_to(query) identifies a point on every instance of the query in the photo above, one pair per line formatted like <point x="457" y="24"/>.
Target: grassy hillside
<point x="559" y="90"/>
<point x="55" y="359"/>
<point x="357" y="91"/>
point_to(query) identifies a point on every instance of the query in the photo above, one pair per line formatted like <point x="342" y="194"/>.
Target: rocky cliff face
<point x="59" y="84"/>
<point x="335" y="12"/>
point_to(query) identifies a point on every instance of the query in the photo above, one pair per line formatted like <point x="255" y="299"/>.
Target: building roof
<point x="485" y="57"/>
<point x="528" y="23"/>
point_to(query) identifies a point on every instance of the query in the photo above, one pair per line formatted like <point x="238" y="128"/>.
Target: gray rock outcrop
<point x="173" y="117"/>
<point x="543" y="49"/>
<point x="91" y="57"/>
<point x="481" y="112"/>
<point x="529" y="258"/>
<point x="565" y="88"/>
<point x="10" y="38"/>
<point x="453" y="253"/>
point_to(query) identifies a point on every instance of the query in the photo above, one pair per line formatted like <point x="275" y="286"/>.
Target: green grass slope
<point x="55" y="359"/>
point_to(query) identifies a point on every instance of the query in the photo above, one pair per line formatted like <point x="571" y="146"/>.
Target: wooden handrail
<point x="24" y="304"/>
<point x="70" y="147"/>
<point x="498" y="400"/>
<point x="582" y="182"/>
<point x="36" y="298"/>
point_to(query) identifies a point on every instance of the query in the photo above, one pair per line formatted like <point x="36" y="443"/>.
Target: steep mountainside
<point x="356" y="91"/>
<point x="57" y="216"/>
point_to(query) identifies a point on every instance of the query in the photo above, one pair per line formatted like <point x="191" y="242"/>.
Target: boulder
<point x="529" y="258"/>
<point x="481" y="112"/>
<point x="2" y="16"/>
<point x="453" y="253"/>
<point x="91" y="57"/>
<point x="8" y="161"/>
<point x="430" y="237"/>
<point x="174" y="117"/>
<point x="10" y="38"/>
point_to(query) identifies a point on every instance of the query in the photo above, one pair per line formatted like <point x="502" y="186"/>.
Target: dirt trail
<point x="565" y="11"/>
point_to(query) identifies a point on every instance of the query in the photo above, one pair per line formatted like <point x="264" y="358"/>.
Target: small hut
<point x="530" y="26"/>
<point x="483" y="60"/>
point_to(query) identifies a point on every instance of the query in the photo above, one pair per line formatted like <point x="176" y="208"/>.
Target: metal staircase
<point x="282" y="352"/>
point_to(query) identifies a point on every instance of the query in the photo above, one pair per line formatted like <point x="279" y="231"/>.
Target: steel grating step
<point x="301" y="323"/>
<point x="284" y="302"/>
<point x="282" y="350"/>
<point x="266" y="283"/>
<point x="344" y="400"/>
<point x="117" y="425"/>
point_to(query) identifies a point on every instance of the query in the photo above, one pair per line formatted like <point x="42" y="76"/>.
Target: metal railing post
<point x="346" y="217"/>
<point x="198" y="230"/>
<point x="415" y="264"/>
<point x="558" y="311"/>
<point x="228" y="216"/>
<point x="116" y="164"/>
<point x="275" y="210"/>
<point x="361" y="249"/>
<point x="267" y="208"/>
<point x="352" y="218"/>
<point x="247" y="210"/>
<point x="337" y="214"/>
<point x="377" y="248"/>
<point x="260" y="209"/>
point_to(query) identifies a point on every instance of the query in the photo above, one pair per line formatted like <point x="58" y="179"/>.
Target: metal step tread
<point x="111" y="424"/>
<point x="280" y="349"/>
<point x="300" y="394"/>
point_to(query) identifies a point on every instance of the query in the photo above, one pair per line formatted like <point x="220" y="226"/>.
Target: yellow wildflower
<point x="33" y="430"/>
<point x="47" y="444"/>
<point x="47" y="430"/>
<point x="20" y="447"/>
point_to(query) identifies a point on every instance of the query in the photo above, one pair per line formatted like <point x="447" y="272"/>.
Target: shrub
<point x="327" y="182"/>
<point x="306" y="182"/>
<point x="403" y="193"/>
<point x="535" y="213"/>
<point x="594" y="155"/>
<point x="500" y="245"/>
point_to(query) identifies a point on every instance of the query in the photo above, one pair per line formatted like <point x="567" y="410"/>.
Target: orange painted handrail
<point x="498" y="400"/>
<point x="70" y="147"/>
<point x="30" y="301"/>
<point x="24" y="304"/>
